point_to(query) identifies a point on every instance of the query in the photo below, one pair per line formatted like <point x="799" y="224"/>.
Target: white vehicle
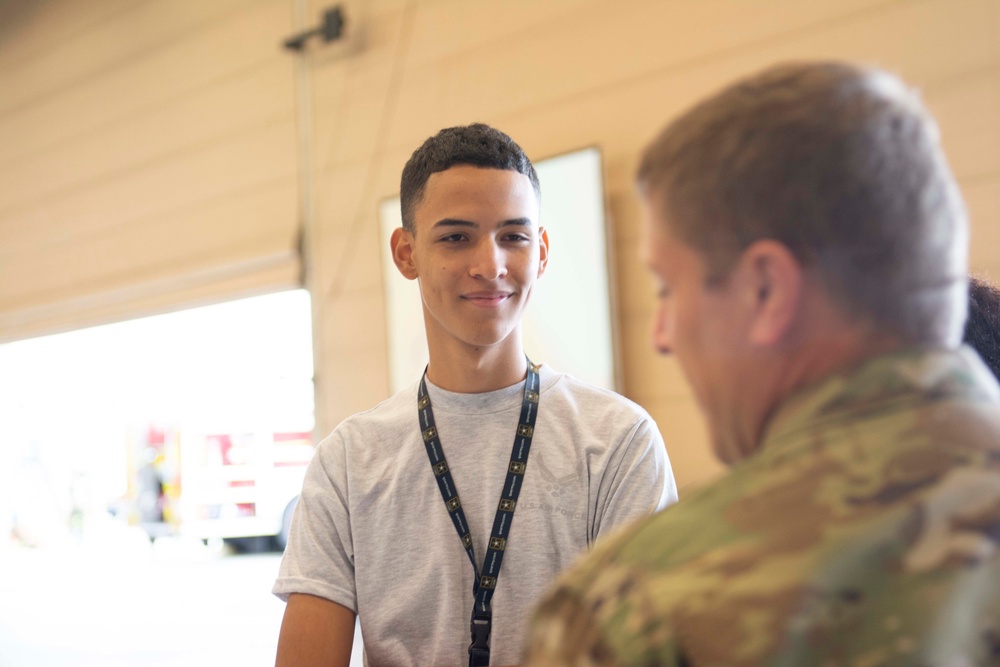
<point x="226" y="485"/>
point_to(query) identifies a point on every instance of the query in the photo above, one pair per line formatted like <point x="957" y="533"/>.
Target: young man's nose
<point x="488" y="261"/>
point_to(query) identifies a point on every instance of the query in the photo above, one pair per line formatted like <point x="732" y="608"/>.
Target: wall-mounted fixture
<point x="331" y="29"/>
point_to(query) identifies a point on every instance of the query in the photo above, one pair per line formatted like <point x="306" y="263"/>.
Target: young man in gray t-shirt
<point x="381" y="531"/>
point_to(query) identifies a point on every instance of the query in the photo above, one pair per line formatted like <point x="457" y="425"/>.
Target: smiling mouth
<point x="487" y="299"/>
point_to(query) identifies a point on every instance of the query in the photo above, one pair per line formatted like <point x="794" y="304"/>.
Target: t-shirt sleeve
<point x="319" y="558"/>
<point x="637" y="480"/>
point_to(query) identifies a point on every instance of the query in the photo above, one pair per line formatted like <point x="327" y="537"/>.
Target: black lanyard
<point x="486" y="579"/>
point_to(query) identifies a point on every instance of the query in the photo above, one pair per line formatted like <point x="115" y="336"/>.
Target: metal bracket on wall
<point x="331" y="29"/>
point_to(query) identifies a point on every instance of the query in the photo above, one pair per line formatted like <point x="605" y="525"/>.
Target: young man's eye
<point x="517" y="238"/>
<point x="453" y="238"/>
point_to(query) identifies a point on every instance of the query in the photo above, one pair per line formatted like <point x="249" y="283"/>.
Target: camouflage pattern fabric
<point x="864" y="532"/>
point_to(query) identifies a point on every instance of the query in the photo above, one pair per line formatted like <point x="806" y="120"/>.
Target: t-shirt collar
<point x="498" y="400"/>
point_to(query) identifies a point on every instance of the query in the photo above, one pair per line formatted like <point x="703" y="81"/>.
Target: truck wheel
<point x="247" y="545"/>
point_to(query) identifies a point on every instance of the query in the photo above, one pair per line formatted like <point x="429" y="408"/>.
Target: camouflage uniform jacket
<point x="865" y="531"/>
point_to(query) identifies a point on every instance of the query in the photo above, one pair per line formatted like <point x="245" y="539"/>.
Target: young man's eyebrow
<point x="518" y="222"/>
<point x="454" y="222"/>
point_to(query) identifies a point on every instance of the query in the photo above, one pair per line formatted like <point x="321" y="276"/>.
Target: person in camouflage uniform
<point x="811" y="246"/>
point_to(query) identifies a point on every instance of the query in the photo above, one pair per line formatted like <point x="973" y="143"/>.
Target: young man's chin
<point x="491" y="338"/>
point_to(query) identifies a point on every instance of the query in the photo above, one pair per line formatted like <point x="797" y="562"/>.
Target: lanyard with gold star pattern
<point x="486" y="579"/>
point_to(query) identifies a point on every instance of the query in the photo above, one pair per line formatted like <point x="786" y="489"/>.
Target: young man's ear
<point x="543" y="250"/>
<point x="401" y="244"/>
<point x="774" y="284"/>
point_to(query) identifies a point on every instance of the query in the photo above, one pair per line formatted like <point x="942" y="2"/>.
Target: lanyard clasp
<point x="479" y="650"/>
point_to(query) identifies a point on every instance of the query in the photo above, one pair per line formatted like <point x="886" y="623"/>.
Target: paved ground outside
<point x="119" y="601"/>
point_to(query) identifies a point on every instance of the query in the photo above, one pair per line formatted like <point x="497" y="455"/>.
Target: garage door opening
<point x="128" y="453"/>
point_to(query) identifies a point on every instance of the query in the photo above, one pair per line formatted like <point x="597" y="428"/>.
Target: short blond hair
<point x="840" y="163"/>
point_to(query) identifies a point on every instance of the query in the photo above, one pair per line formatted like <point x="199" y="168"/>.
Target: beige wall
<point x="560" y="75"/>
<point x="194" y="114"/>
<point x="148" y="157"/>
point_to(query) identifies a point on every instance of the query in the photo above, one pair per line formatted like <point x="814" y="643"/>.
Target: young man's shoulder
<point x="588" y="399"/>
<point x="399" y="411"/>
<point x="403" y="401"/>
<point x="563" y="396"/>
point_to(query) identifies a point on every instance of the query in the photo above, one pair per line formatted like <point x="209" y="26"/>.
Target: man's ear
<point x="543" y="250"/>
<point x="401" y="243"/>
<point x="774" y="285"/>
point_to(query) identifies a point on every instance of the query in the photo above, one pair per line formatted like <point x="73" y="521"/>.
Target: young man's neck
<point x="472" y="370"/>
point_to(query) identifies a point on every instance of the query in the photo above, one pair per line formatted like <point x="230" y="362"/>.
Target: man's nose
<point x="663" y="331"/>
<point x="488" y="261"/>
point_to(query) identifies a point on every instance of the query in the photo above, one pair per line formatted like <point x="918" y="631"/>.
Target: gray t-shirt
<point x="371" y="531"/>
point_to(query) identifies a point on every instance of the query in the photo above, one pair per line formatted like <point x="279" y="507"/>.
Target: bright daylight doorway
<point x="147" y="472"/>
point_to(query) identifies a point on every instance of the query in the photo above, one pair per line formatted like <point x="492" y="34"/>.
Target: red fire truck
<point x="218" y="485"/>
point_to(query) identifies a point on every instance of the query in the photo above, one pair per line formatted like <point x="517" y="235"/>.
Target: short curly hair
<point x="478" y="145"/>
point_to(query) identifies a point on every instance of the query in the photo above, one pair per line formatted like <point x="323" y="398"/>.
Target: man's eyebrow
<point x="453" y="222"/>
<point x="518" y="222"/>
<point x="467" y="224"/>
